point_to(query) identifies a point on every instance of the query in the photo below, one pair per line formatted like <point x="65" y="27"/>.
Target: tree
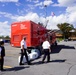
<point x="4" y="37"/>
<point x="7" y="37"/>
<point x="1" y="37"/>
<point x="65" y="28"/>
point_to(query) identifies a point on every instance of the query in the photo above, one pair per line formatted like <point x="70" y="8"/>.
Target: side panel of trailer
<point x="18" y="31"/>
<point x="38" y="34"/>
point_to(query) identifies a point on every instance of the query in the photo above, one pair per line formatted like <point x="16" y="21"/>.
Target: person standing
<point x="2" y="54"/>
<point x="47" y="50"/>
<point x="24" y="51"/>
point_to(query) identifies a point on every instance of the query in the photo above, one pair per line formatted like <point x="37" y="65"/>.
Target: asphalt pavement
<point x="62" y="61"/>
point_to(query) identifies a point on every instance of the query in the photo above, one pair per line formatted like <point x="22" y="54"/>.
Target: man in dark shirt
<point x="2" y="54"/>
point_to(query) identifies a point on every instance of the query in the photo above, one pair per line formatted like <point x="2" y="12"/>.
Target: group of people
<point x="46" y="48"/>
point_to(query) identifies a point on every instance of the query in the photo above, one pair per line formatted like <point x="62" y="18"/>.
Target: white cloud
<point x="39" y="4"/>
<point x="72" y="17"/>
<point x="8" y="15"/>
<point x="69" y="16"/>
<point x="35" y="1"/>
<point x="9" y="0"/>
<point x="31" y="6"/>
<point x="47" y="2"/>
<point x="71" y="9"/>
<point x="52" y="23"/>
<point x="4" y="29"/>
<point x="66" y="3"/>
<point x="30" y="16"/>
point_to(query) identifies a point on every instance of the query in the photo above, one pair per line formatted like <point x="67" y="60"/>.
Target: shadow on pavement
<point x="58" y="60"/>
<point x="37" y="63"/>
<point x="40" y="63"/>
<point x="57" y="49"/>
<point x="17" y="68"/>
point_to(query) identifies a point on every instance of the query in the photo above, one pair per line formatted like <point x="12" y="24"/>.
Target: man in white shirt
<point x="46" y="48"/>
<point x="23" y="51"/>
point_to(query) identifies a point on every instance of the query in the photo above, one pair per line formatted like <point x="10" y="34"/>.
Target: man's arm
<point x="49" y="47"/>
<point x="23" y="48"/>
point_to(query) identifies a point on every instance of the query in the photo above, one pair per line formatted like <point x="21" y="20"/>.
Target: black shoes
<point x="48" y="61"/>
<point x="3" y="70"/>
<point x="29" y="63"/>
<point x="42" y="62"/>
<point x="21" y="64"/>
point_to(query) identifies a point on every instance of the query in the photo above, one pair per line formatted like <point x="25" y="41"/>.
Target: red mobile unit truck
<point x="35" y="34"/>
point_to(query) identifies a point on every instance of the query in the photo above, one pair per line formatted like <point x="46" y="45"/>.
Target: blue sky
<point x="35" y="10"/>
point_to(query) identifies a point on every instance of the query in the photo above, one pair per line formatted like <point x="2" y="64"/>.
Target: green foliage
<point x="65" y="28"/>
<point x="7" y="37"/>
<point x="4" y="37"/>
<point x="1" y="37"/>
<point x="59" y="39"/>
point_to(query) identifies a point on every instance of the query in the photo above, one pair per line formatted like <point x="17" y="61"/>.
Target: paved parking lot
<point x="62" y="62"/>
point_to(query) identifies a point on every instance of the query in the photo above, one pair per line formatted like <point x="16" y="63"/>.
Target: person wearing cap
<point x="2" y="54"/>
<point x="47" y="50"/>
<point x="24" y="51"/>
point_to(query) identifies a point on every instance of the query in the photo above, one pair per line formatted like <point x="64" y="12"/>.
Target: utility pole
<point x="46" y="15"/>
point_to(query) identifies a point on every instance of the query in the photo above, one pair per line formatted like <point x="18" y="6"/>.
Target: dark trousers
<point x="1" y="63"/>
<point x="46" y="53"/>
<point x="24" y="54"/>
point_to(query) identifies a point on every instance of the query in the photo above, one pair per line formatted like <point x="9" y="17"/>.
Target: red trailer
<point x="34" y="33"/>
